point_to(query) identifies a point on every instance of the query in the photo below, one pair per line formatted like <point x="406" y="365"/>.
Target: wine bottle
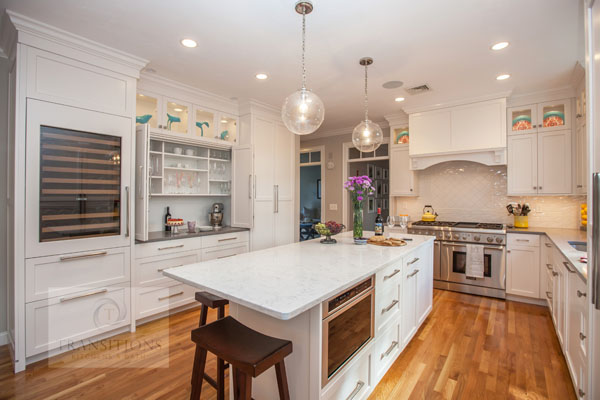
<point x="167" y="217"/>
<point x="378" y="223"/>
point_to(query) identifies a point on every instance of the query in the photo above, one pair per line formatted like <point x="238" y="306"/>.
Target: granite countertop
<point x="561" y="237"/>
<point x="162" y="235"/>
<point x="285" y="281"/>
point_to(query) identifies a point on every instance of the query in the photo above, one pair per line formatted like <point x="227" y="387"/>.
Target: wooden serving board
<point x="389" y="242"/>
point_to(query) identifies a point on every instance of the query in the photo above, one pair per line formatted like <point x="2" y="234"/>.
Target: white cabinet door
<point x="522" y="164"/>
<point x="554" y="162"/>
<point x="285" y="162"/>
<point x="284" y="223"/>
<point x="263" y="233"/>
<point x="242" y="190"/>
<point x="141" y="181"/>
<point x="409" y="306"/>
<point x="581" y="157"/>
<point x="559" y="303"/>
<point x="546" y="265"/>
<point x="264" y="159"/>
<point x="522" y="119"/>
<point x="479" y="125"/>
<point x="430" y="132"/>
<point x="523" y="271"/>
<point x="424" y="283"/>
<point x="554" y="115"/>
<point x="402" y="179"/>
<point x="577" y="327"/>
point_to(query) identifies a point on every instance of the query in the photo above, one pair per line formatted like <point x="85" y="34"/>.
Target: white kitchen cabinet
<point x="522" y="119"/>
<point x="581" y="156"/>
<point x="403" y="181"/>
<point x="522" y="164"/>
<point x="409" y="301"/>
<point x="242" y="193"/>
<point x="559" y="303"/>
<point x="523" y="268"/>
<point x="546" y="265"/>
<point x="541" y="117"/>
<point x="577" y="327"/>
<point x="554" y="162"/>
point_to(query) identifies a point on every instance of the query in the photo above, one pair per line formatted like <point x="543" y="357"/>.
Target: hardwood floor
<point x="479" y="348"/>
<point x="469" y="348"/>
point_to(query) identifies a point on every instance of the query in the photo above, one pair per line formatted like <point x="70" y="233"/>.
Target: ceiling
<point x="439" y="42"/>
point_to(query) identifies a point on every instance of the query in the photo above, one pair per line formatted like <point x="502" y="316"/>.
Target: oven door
<point x="345" y="333"/>
<point x="454" y="261"/>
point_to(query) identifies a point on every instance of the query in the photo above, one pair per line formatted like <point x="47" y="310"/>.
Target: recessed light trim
<point x="224" y="121"/>
<point x="399" y="99"/>
<point x="502" y="77"/>
<point x="178" y="109"/>
<point x="499" y="46"/>
<point x="191" y="43"/>
<point x="261" y="76"/>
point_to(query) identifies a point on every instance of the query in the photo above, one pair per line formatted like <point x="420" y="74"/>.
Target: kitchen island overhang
<point x="280" y="292"/>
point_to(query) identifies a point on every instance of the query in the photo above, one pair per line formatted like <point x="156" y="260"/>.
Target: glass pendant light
<point x="303" y="111"/>
<point x="367" y="136"/>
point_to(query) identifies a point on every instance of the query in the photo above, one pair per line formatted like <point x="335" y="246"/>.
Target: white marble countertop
<point x="561" y="237"/>
<point x="285" y="281"/>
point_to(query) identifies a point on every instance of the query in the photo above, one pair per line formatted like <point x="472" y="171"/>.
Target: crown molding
<point x="253" y="106"/>
<point x="47" y="37"/>
<point x="577" y="75"/>
<point x="400" y="118"/>
<point x="540" y="96"/>
<point x="460" y="102"/>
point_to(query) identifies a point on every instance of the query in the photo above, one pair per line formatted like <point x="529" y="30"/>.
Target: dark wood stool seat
<point x="209" y="300"/>
<point x="249" y="352"/>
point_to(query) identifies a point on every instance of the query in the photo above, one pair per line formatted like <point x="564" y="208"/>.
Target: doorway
<point x="311" y="195"/>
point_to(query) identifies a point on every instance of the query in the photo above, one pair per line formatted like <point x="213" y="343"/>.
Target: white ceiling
<point x="440" y="42"/>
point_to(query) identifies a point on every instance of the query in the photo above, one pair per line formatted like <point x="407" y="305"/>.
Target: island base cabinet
<point x="409" y="305"/>
<point x="354" y="383"/>
<point x="417" y="290"/>
<point x="386" y="349"/>
<point x="152" y="301"/>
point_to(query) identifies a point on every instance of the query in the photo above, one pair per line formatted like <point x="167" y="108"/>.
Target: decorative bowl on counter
<point x="328" y="229"/>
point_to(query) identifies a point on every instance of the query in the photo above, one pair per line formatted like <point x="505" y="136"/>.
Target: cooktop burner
<point x="434" y="223"/>
<point x="470" y="225"/>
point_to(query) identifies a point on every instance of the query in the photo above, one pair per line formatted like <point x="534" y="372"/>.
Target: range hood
<point x="482" y="156"/>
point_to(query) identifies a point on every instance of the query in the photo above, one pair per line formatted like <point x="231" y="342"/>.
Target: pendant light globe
<point x="367" y="136"/>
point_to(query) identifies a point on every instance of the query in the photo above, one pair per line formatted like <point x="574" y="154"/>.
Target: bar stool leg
<point x="282" y="385"/>
<point x="198" y="373"/>
<point x="203" y="315"/>
<point x="220" y="379"/>
<point x="242" y="385"/>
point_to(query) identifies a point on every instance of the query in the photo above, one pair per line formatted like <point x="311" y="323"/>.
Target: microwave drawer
<point x="52" y="276"/>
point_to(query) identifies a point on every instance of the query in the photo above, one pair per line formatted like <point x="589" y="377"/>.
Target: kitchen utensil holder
<point x="521" y="221"/>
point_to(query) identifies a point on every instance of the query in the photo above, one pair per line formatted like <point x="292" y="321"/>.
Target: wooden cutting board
<point x="388" y="242"/>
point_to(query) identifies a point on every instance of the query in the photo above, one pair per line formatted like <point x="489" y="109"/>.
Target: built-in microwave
<point x="348" y="323"/>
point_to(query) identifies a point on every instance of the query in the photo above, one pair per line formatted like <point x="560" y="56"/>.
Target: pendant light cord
<point x="303" y="47"/>
<point x="366" y="96"/>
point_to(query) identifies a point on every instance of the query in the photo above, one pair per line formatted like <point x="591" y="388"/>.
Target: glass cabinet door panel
<point x="228" y="129"/>
<point x="80" y="188"/>
<point x="146" y="110"/>
<point x="176" y="119"/>
<point x="401" y="135"/>
<point x="522" y="119"/>
<point x="554" y="115"/>
<point x="204" y="125"/>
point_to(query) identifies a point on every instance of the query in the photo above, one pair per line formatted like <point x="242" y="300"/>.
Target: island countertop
<point x="285" y="281"/>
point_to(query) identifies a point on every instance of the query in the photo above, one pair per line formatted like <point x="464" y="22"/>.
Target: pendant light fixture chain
<point x="303" y="46"/>
<point x="366" y="95"/>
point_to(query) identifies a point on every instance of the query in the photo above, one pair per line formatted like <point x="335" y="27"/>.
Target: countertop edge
<point x="184" y="235"/>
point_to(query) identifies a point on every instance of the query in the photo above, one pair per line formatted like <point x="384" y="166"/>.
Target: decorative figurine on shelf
<point x="224" y="135"/>
<point x="201" y="125"/>
<point x="143" y="119"/>
<point x="171" y="119"/>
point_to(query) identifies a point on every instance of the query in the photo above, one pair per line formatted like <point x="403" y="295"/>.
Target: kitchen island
<point x="280" y="292"/>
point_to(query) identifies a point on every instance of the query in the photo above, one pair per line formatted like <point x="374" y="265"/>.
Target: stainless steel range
<point x="450" y="256"/>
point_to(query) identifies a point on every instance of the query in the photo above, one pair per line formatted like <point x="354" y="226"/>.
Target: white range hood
<point x="482" y="156"/>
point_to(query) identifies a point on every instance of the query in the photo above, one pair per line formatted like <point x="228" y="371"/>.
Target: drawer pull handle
<point x="581" y="393"/>
<point x="396" y="271"/>
<point x="171" y="247"/>
<point x="63" y="299"/>
<point x="568" y="267"/>
<point x="359" y="386"/>
<point x="554" y="273"/>
<point x="523" y="240"/>
<point x="413" y="261"/>
<point x="548" y="244"/>
<point x="582" y="336"/>
<point x="169" y="296"/>
<point x="388" y="308"/>
<point x="175" y="266"/>
<point x="549" y="266"/>
<point x="416" y="271"/>
<point x="389" y="350"/>
<point x="226" y="239"/>
<point x="581" y="294"/>
<point x="231" y="255"/>
<point x="97" y="254"/>
<point x="549" y="295"/>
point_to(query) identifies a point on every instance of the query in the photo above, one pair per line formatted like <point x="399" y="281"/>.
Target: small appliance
<point x="429" y="214"/>
<point x="216" y="216"/>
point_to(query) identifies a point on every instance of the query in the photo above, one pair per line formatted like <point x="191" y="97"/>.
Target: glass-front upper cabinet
<point x="176" y="117"/>
<point x="522" y="119"/>
<point x="146" y="109"/>
<point x="204" y="124"/>
<point x="227" y="128"/>
<point x="554" y="115"/>
<point x="400" y="135"/>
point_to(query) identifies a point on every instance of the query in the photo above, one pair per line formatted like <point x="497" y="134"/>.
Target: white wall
<point x="4" y="64"/>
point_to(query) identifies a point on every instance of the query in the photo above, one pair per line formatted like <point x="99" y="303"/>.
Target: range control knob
<point x="490" y="239"/>
<point x="498" y="240"/>
<point x="477" y="238"/>
<point x="456" y="236"/>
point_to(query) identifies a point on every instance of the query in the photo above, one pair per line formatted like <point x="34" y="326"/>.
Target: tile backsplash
<point x="467" y="191"/>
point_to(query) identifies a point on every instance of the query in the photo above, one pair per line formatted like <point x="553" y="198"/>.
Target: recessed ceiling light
<point x="140" y="95"/>
<point x="262" y="76"/>
<point x="500" y="46"/>
<point x="502" y="77"/>
<point x="399" y="99"/>
<point x="178" y="109"/>
<point x="189" y="43"/>
<point x="224" y="121"/>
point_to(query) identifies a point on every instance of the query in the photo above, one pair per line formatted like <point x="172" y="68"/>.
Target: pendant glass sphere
<point x="367" y="136"/>
<point x="303" y="112"/>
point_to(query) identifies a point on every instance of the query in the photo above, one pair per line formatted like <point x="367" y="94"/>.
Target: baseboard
<point x="529" y="300"/>
<point x="3" y="338"/>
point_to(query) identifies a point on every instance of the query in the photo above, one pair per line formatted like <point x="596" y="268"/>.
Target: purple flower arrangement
<point x="359" y="187"/>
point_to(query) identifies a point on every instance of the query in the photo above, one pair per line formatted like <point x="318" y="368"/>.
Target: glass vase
<point x="358" y="221"/>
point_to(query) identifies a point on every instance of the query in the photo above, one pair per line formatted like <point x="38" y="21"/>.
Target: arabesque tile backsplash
<point x="467" y="191"/>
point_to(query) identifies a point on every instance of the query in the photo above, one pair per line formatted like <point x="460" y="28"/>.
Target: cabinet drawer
<point x="577" y="317"/>
<point x="386" y="349"/>
<point x="61" y="321"/>
<point x="226" y="238"/>
<point x="516" y="239"/>
<point x="387" y="304"/>
<point x="52" y="276"/>
<point x="389" y="276"/>
<point x="157" y="300"/>
<point x="354" y="383"/>
<point x="144" y="250"/>
<point x="148" y="271"/>
<point x="217" y="252"/>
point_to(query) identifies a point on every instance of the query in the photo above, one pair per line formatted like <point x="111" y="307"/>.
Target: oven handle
<point x="338" y="311"/>
<point x="458" y="244"/>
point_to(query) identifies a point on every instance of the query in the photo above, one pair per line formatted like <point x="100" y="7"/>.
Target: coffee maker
<point x="216" y="216"/>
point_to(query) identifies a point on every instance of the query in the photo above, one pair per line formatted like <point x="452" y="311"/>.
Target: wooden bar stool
<point x="250" y="353"/>
<point x="211" y="301"/>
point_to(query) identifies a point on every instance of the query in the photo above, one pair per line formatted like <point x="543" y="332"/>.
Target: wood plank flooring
<point x="469" y="348"/>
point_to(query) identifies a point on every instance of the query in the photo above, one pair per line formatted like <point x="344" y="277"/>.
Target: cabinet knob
<point x="539" y="187"/>
<point x="411" y="190"/>
<point x="535" y="188"/>
<point x="579" y="186"/>
<point x="554" y="273"/>
<point x="581" y="393"/>
<point x="581" y="294"/>
<point x="582" y="336"/>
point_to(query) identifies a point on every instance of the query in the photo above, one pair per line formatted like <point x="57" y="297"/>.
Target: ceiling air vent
<point x="424" y="88"/>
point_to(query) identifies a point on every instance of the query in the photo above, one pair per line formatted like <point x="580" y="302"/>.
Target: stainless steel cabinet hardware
<point x="581" y="294"/>
<point x="581" y="393"/>
<point x="226" y="239"/>
<point x="569" y="268"/>
<point x="554" y="273"/>
<point x="396" y="271"/>
<point x="389" y="350"/>
<point x="79" y="296"/>
<point x="539" y="187"/>
<point x="169" y="296"/>
<point x="579" y="186"/>
<point x="582" y="336"/>
<point x="79" y="256"/>
<point x="413" y="261"/>
<point x="171" y="247"/>
<point x="523" y="240"/>
<point x="549" y="266"/>
<point x="549" y="295"/>
<point x="175" y="266"/>
<point x="548" y="244"/>
<point x="128" y="203"/>
<point x="250" y="186"/>
<point x="359" y="386"/>
<point x="388" y="308"/>
<point x="535" y="187"/>
<point x="416" y="271"/>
